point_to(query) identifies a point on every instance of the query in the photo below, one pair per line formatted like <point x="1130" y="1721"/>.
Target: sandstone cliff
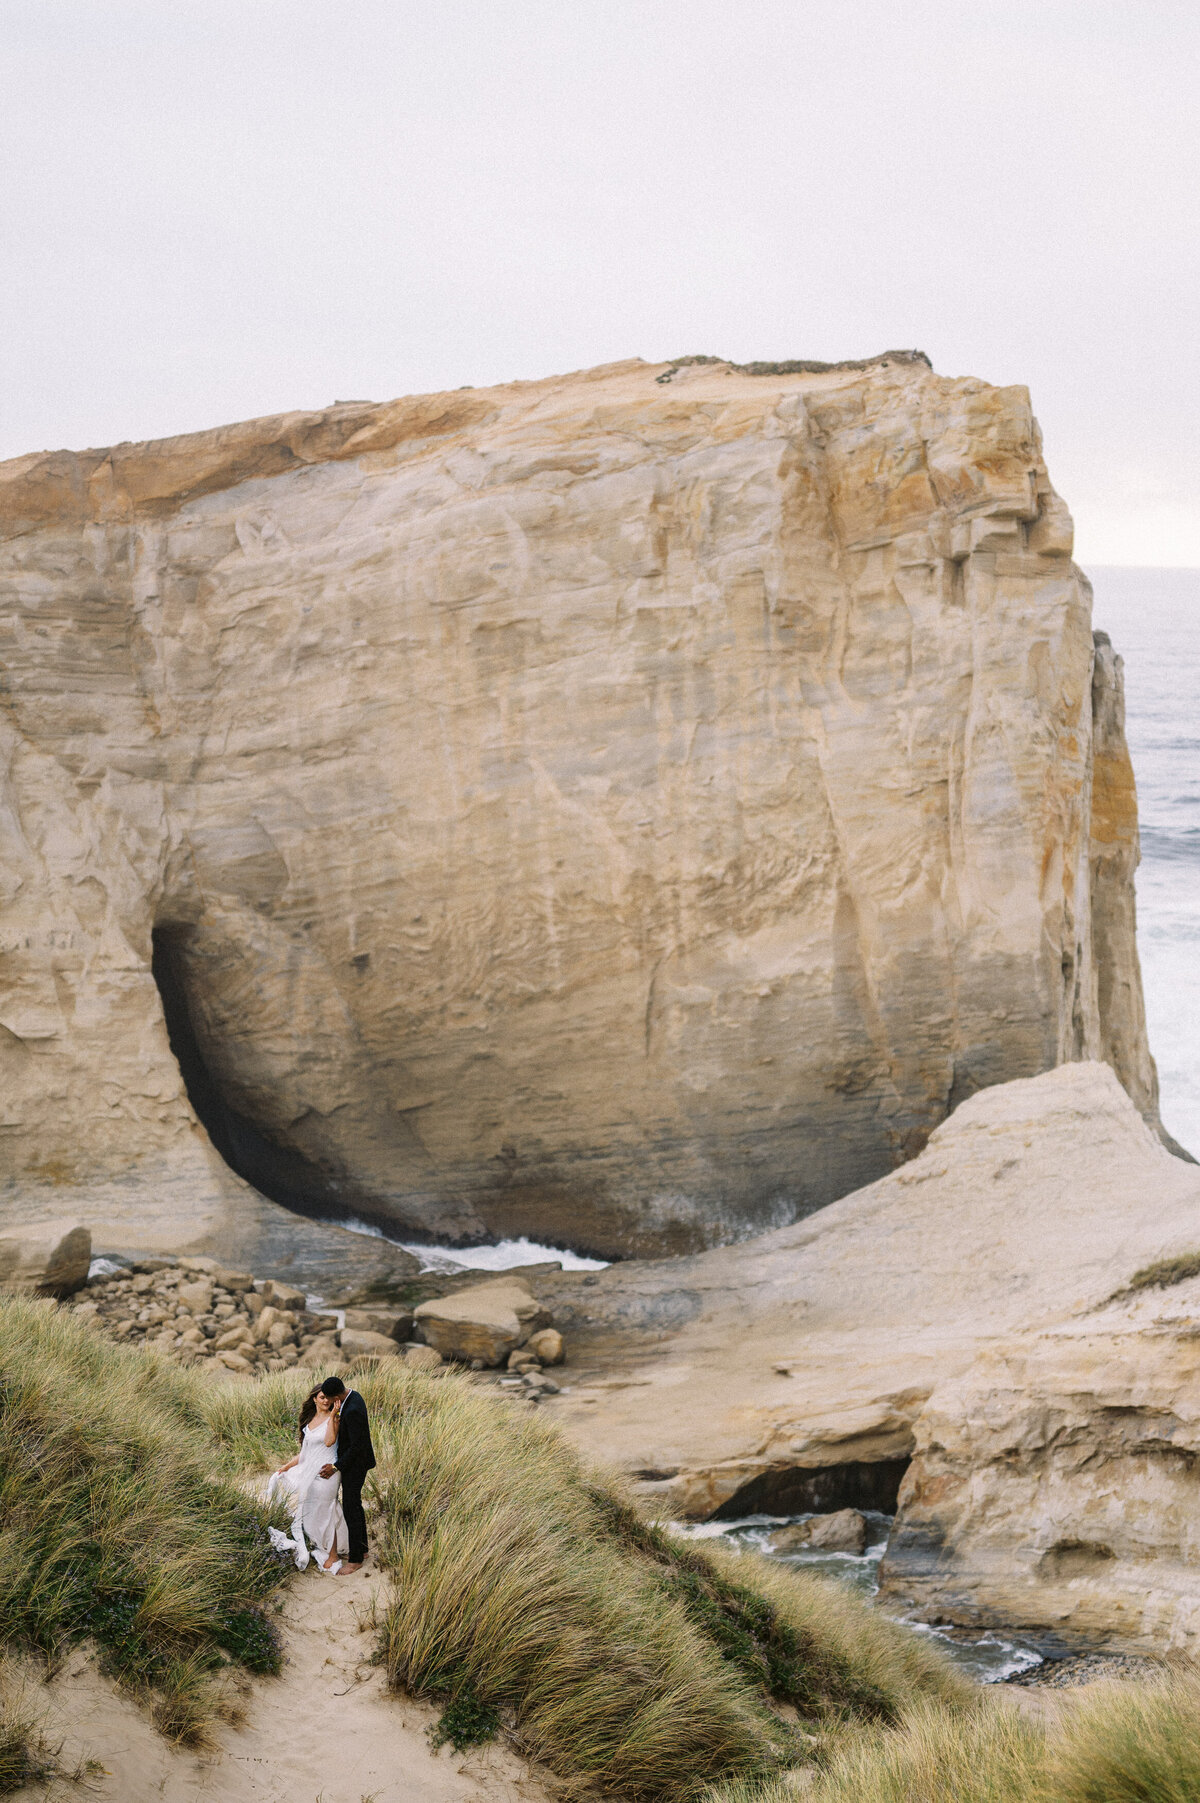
<point x="631" y="809"/>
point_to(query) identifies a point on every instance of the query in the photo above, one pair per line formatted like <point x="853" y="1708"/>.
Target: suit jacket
<point x="355" y="1452"/>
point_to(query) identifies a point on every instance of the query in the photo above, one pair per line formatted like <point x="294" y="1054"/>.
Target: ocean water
<point x="1153" y="619"/>
<point x="986" y="1655"/>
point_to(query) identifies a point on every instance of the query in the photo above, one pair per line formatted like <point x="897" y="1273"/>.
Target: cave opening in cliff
<point x="801" y="1490"/>
<point x="278" y="1172"/>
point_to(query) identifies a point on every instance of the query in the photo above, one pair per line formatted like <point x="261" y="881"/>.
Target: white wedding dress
<point x="315" y="1503"/>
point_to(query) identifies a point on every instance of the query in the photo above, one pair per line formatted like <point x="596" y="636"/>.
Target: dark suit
<point x="355" y="1457"/>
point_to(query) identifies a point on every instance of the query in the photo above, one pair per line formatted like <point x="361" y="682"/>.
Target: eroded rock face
<point x="808" y="1356"/>
<point x="1055" y="1483"/>
<point x="629" y="809"/>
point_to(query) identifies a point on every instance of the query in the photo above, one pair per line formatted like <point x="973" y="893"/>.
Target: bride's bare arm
<point x="331" y="1429"/>
<point x="294" y="1460"/>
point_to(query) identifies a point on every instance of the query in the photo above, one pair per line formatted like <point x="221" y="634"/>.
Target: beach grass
<point x="1117" y="1743"/>
<point x="118" y="1525"/>
<point x="1129" y="1744"/>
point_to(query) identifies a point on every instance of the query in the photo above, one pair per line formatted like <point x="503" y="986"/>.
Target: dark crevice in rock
<point x="798" y="1490"/>
<point x="277" y="1172"/>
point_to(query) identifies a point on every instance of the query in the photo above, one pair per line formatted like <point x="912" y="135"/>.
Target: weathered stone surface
<point x="323" y="1355"/>
<point x="284" y="1295"/>
<point x="423" y="1358"/>
<point x="395" y="1323"/>
<point x="629" y="808"/>
<point x="485" y="1322"/>
<point x="359" y="1343"/>
<point x="844" y="1531"/>
<point x="547" y="1346"/>
<point x="50" y="1258"/>
<point x="196" y="1296"/>
<point x="1035" y="1199"/>
<point x="1056" y="1482"/>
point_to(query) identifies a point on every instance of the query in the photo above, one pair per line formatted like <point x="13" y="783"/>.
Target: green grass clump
<point x="987" y="1755"/>
<point x="118" y="1524"/>
<point x="525" y="1591"/>
<point x="1129" y="1745"/>
<point x="1117" y="1744"/>
<point x="1163" y="1273"/>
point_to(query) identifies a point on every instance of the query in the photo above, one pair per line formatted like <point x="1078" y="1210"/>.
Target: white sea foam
<point x="506" y="1255"/>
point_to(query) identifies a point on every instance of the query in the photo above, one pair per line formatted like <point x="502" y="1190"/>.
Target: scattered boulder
<point x="47" y="1258"/>
<point x="395" y="1323"/>
<point x="547" y="1346"/>
<point x="359" y="1343"/>
<point x="323" y="1355"/>
<point x="234" y="1336"/>
<point x="845" y="1531"/>
<point x="236" y="1282"/>
<point x="486" y="1321"/>
<point x="284" y="1295"/>
<point x="197" y="1312"/>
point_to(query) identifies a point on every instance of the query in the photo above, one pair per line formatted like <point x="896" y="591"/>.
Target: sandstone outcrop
<point x="1056" y="1483"/>
<point x="630" y="809"/>
<point x="801" y="1371"/>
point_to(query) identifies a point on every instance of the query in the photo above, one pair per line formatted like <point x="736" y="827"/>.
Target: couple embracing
<point x="323" y="1482"/>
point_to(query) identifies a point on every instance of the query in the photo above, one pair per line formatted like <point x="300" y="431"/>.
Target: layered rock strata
<point x="1056" y="1483"/>
<point x="945" y="1337"/>
<point x="630" y="809"/>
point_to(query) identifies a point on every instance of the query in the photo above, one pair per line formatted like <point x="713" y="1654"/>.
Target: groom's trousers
<point x="353" y="1480"/>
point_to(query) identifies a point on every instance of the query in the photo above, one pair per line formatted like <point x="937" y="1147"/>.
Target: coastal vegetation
<point x="118" y="1528"/>
<point x="524" y="1595"/>
<point x="1118" y="1744"/>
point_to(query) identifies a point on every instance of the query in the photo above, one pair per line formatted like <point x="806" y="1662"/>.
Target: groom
<point x="355" y="1457"/>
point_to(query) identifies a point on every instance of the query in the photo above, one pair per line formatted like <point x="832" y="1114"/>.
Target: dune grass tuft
<point x="1163" y="1273"/>
<point x="1117" y="1744"/>
<point x="1126" y="1744"/>
<point x="115" y="1526"/>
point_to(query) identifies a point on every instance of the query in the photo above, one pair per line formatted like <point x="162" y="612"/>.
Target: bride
<point x="317" y="1517"/>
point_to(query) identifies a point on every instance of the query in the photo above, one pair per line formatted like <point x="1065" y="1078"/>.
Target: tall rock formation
<point x="630" y="809"/>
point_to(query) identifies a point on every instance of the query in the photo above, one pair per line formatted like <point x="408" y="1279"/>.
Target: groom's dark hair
<point x="333" y="1386"/>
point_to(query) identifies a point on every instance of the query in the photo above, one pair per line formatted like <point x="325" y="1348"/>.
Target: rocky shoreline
<point x="198" y="1313"/>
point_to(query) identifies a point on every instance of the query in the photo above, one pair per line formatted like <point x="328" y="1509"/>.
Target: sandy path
<point x="326" y="1731"/>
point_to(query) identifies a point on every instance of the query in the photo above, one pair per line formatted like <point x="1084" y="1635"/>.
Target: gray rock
<point x="48" y="1258"/>
<point x="845" y="1531"/>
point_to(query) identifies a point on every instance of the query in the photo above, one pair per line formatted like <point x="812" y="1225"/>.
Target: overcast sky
<point x="212" y="209"/>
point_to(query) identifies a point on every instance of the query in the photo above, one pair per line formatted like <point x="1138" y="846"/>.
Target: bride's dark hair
<point x="308" y="1409"/>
